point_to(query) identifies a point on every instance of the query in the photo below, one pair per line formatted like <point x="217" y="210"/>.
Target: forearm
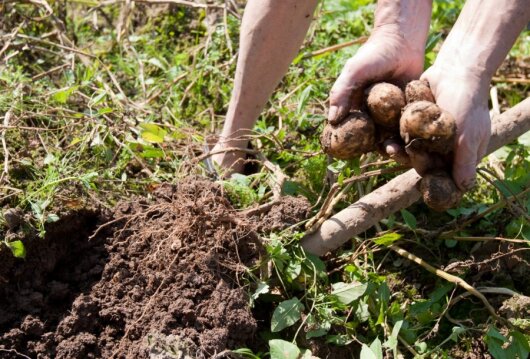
<point x="272" y="32"/>
<point x="483" y="35"/>
<point x="409" y="18"/>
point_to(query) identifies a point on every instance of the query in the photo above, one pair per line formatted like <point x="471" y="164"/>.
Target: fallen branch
<point x="402" y="191"/>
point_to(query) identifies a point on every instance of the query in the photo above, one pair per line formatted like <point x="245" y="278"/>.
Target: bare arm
<point x="483" y="35"/>
<point x="461" y="74"/>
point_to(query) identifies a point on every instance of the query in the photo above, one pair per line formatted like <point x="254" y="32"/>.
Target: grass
<point x="136" y="111"/>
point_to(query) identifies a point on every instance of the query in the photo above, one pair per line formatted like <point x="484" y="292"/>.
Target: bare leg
<point x="272" y="32"/>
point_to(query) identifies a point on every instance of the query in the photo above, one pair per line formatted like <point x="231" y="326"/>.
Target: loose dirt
<point x="163" y="279"/>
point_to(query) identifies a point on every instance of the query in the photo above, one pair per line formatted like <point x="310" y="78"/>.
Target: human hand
<point x="463" y="93"/>
<point x="388" y="56"/>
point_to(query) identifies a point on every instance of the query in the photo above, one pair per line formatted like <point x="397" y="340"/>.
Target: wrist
<point x="466" y="59"/>
<point x="408" y="19"/>
<point x="444" y="76"/>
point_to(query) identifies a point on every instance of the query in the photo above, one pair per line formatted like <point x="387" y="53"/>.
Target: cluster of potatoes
<point x="410" y="117"/>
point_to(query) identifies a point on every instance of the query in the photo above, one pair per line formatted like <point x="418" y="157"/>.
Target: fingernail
<point x="332" y="114"/>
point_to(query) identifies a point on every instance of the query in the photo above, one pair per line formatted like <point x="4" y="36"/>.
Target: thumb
<point x="347" y="92"/>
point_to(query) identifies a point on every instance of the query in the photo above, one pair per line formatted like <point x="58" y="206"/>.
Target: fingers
<point x="465" y="162"/>
<point x="423" y="162"/>
<point x="347" y="92"/>
<point x="396" y="152"/>
<point x="483" y="148"/>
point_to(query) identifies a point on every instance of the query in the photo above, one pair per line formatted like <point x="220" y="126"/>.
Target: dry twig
<point x="449" y="277"/>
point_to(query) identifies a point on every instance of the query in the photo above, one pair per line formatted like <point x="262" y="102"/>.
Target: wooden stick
<point x="402" y="191"/>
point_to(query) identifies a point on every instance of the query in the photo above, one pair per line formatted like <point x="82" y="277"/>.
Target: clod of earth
<point x="350" y="138"/>
<point x="385" y="102"/>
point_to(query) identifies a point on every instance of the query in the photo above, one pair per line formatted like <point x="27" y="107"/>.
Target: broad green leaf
<point x="348" y="292"/>
<point x="387" y="239"/>
<point x="307" y="354"/>
<point x="495" y="342"/>
<point x="377" y="348"/>
<point x="316" y="333"/>
<point x="494" y="333"/>
<point x="17" y="248"/>
<point x="153" y="133"/>
<point x="520" y="344"/>
<point x="152" y="137"/>
<point x="367" y="353"/>
<point x="280" y="349"/>
<point x="286" y="314"/>
<point x="409" y="218"/>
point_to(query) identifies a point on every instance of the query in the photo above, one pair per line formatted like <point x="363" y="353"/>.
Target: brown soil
<point x="164" y="277"/>
<point x="287" y="212"/>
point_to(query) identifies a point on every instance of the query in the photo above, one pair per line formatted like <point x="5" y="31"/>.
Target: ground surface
<point x="102" y="102"/>
<point x="170" y="268"/>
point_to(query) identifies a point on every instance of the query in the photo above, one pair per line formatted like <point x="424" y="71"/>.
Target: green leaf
<point x="153" y="133"/>
<point x="286" y="314"/>
<point x="367" y="353"/>
<point x="152" y="137"/>
<point x="387" y="239"/>
<point x="409" y="218"/>
<point x="315" y="333"/>
<point x="262" y="288"/>
<point x="520" y="345"/>
<point x="377" y="348"/>
<point x="392" y="341"/>
<point x="105" y="110"/>
<point x="156" y="62"/>
<point x="495" y="341"/>
<point x="456" y="332"/>
<point x="152" y="152"/>
<point x="280" y="349"/>
<point x="524" y="139"/>
<point x="347" y="293"/>
<point x="64" y="94"/>
<point x="302" y="99"/>
<point x="17" y="248"/>
<point x="245" y="352"/>
<point x="307" y="354"/>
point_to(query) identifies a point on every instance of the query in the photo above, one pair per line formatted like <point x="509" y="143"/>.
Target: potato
<point x="418" y="90"/>
<point x="426" y="127"/>
<point x="439" y="191"/>
<point x="350" y="138"/>
<point x="385" y="102"/>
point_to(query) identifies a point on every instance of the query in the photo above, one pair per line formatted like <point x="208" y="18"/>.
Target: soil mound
<point x="162" y="283"/>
